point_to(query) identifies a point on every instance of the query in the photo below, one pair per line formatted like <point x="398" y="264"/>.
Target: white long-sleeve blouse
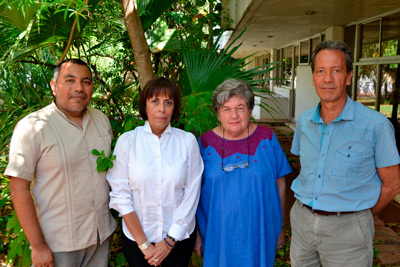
<point x="159" y="179"/>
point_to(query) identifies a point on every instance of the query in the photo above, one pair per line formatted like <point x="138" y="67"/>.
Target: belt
<point x="328" y="213"/>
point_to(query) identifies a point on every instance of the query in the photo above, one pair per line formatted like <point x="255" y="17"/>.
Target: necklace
<point x="243" y="164"/>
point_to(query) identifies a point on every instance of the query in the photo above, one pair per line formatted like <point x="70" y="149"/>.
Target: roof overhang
<point x="277" y="23"/>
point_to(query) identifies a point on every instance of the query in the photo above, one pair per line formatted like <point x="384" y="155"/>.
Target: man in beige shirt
<point x="60" y="199"/>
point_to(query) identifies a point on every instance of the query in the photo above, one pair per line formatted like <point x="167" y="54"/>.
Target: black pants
<point x="179" y="256"/>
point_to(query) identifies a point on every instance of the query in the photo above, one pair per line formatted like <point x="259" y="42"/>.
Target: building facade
<point x="288" y="31"/>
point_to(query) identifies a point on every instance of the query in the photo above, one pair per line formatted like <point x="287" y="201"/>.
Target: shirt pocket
<point x="102" y="143"/>
<point x="347" y="162"/>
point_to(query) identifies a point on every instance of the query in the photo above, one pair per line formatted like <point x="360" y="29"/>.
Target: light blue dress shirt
<point x="339" y="160"/>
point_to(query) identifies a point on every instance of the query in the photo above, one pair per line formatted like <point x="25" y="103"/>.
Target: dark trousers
<point x="179" y="256"/>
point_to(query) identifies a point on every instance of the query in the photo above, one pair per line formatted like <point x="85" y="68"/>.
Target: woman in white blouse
<point x="155" y="182"/>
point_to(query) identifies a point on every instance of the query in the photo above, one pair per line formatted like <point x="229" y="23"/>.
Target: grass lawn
<point x="385" y="109"/>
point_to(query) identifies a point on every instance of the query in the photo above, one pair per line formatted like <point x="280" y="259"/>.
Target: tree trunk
<point x="141" y="50"/>
<point x="210" y="24"/>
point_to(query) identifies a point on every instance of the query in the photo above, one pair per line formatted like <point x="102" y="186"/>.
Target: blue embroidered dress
<point x="239" y="213"/>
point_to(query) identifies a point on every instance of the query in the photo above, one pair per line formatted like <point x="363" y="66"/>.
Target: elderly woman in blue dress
<point x="243" y="186"/>
<point x="155" y="182"/>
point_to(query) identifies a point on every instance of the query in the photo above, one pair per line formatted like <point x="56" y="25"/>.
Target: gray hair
<point x="334" y="45"/>
<point x="232" y="87"/>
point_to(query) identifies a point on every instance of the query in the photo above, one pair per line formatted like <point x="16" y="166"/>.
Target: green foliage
<point x="103" y="162"/>
<point x="151" y="10"/>
<point x="196" y="260"/>
<point x="39" y="26"/>
<point x="206" y="68"/>
<point x="375" y="252"/>
<point x="19" y="251"/>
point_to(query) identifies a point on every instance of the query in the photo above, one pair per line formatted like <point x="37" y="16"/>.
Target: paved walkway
<point x="386" y="244"/>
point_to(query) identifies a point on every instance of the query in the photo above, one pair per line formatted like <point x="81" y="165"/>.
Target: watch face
<point x="145" y="245"/>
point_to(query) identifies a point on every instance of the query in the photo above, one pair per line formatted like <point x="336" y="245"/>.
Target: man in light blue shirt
<point x="349" y="169"/>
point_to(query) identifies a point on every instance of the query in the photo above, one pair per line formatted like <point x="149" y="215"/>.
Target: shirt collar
<point x="347" y="113"/>
<point x="85" y="117"/>
<point x="147" y="128"/>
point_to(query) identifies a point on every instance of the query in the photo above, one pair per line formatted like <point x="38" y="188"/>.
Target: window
<point x="388" y="88"/>
<point x="370" y="39"/>
<point x="391" y="35"/>
<point x="350" y="37"/>
<point x="377" y="68"/>
<point x="304" y="51"/>
<point x="314" y="42"/>
<point x="296" y="63"/>
<point x="288" y="66"/>
<point x="366" y="84"/>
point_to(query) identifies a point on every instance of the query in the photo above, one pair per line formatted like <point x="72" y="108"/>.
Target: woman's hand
<point x="161" y="251"/>
<point x="149" y="252"/>
<point x="281" y="240"/>
<point x="198" y="247"/>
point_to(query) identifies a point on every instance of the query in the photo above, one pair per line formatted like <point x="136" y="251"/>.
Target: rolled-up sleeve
<point x="121" y="198"/>
<point x="185" y="212"/>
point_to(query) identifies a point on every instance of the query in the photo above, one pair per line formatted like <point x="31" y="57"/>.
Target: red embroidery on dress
<point x="236" y="146"/>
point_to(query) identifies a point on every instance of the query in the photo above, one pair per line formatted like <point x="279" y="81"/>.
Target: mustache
<point x="78" y="94"/>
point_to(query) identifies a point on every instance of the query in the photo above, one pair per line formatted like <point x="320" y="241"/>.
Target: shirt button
<point x="319" y="176"/>
<point x="349" y="147"/>
<point x="159" y="205"/>
<point x="323" y="155"/>
<point x="158" y="156"/>
<point x="316" y="198"/>
<point x="158" y="188"/>
<point x="348" y="155"/>
<point x="160" y="221"/>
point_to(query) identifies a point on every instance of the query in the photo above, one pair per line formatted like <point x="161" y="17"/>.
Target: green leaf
<point x="102" y="165"/>
<point x="13" y="221"/>
<point x="95" y="152"/>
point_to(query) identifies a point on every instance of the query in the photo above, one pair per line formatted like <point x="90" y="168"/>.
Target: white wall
<point x="279" y="107"/>
<point x="306" y="97"/>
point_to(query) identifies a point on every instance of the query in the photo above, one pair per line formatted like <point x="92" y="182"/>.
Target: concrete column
<point x="335" y="33"/>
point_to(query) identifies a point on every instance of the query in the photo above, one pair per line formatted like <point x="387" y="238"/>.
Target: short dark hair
<point x="160" y="86"/>
<point x="334" y="45"/>
<point x="71" y="60"/>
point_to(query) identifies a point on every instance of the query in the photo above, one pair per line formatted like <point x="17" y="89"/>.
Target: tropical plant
<point x="206" y="66"/>
<point x="35" y="37"/>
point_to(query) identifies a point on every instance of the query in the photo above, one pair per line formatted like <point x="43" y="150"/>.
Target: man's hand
<point x="42" y="256"/>
<point x="390" y="177"/>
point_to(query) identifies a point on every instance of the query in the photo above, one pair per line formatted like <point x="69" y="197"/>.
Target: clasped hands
<point x="155" y="254"/>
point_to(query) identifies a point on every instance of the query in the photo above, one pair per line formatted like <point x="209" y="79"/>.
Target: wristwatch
<point x="145" y="245"/>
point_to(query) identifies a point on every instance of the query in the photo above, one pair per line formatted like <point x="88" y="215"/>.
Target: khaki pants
<point x="331" y="241"/>
<point x="93" y="256"/>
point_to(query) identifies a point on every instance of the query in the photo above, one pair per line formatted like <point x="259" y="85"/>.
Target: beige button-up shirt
<point x="71" y="197"/>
